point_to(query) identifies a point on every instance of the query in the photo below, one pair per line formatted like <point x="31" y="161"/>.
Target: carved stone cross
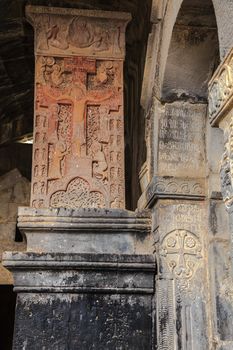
<point x="78" y="151"/>
<point x="182" y="250"/>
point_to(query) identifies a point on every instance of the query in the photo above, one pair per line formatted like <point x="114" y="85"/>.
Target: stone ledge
<point x="170" y="187"/>
<point x="85" y="230"/>
<point x="79" y="273"/>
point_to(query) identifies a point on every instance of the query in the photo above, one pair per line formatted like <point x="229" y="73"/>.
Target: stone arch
<point x="174" y="12"/>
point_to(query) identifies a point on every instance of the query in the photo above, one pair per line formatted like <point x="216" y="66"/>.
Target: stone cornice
<point x="221" y="91"/>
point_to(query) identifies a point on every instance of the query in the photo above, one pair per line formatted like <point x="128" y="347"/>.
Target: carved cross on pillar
<point x="182" y="250"/>
<point x="78" y="151"/>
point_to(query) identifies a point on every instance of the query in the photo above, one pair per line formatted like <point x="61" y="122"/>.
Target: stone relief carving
<point x="182" y="250"/>
<point x="221" y="89"/>
<point x="79" y="124"/>
<point x="78" y="128"/>
<point x="226" y="168"/>
<point x="77" y="195"/>
<point x="165" y="186"/>
<point x="79" y="32"/>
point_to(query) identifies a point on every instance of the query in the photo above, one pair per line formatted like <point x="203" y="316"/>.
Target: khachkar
<point x="86" y="280"/>
<point x="78" y="152"/>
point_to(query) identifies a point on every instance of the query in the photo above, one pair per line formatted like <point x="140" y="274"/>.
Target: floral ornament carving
<point x="182" y="251"/>
<point x="77" y="195"/>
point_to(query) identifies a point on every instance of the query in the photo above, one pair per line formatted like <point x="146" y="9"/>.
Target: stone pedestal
<point x="83" y="301"/>
<point x="97" y="231"/>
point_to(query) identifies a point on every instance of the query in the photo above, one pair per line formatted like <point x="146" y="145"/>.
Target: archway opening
<point x="193" y="54"/>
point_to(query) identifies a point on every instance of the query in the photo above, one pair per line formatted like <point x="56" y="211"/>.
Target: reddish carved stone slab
<point x="78" y="151"/>
<point x="78" y="156"/>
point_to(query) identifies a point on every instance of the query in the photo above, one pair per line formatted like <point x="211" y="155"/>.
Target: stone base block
<point x="82" y="301"/>
<point x="100" y="231"/>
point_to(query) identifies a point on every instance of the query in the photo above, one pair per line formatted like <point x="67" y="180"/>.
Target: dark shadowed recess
<point x="7" y="311"/>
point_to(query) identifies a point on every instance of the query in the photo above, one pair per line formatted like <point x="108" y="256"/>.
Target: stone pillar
<point x="221" y="115"/>
<point x="87" y="278"/>
<point x="177" y="198"/>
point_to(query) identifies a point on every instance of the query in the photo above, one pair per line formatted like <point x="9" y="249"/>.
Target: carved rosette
<point x="182" y="251"/>
<point x="78" y="152"/>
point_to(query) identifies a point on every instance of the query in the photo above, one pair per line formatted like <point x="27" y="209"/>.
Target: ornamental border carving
<point x="172" y="187"/>
<point x="221" y="90"/>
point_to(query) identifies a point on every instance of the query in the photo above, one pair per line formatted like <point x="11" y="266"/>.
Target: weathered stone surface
<point x="83" y="301"/>
<point x="14" y="191"/>
<point x="82" y="321"/>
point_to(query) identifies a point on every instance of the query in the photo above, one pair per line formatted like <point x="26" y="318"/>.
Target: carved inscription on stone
<point x="78" y="145"/>
<point x="181" y="145"/>
<point x="68" y="32"/>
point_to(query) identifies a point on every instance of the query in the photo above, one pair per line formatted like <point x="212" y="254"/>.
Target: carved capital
<point x="69" y="32"/>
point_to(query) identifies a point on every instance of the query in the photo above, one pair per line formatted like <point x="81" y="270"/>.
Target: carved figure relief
<point x="78" y="32"/>
<point x="182" y="252"/>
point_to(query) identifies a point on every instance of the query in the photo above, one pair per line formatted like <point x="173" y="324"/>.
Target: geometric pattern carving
<point x="182" y="252"/>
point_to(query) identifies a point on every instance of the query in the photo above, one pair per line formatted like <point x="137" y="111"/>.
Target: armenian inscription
<point x="181" y="135"/>
<point x="78" y="153"/>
